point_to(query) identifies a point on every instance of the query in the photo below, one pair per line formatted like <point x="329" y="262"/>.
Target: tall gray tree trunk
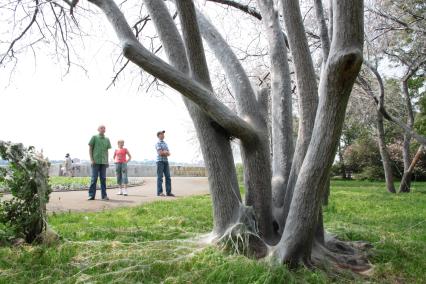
<point x="336" y="83"/>
<point x="307" y="93"/>
<point x="282" y="120"/>
<point x="330" y="20"/>
<point x="386" y="161"/>
<point x="325" y="40"/>
<point x="255" y="152"/>
<point x="342" y="162"/>
<point x="409" y="172"/>
<point x="325" y="47"/>
<point x="215" y="144"/>
<point x="406" y="182"/>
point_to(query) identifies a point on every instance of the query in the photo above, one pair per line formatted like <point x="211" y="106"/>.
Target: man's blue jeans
<point x="98" y="170"/>
<point x="163" y="168"/>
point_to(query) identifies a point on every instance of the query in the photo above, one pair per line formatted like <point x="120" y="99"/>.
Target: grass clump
<point x="82" y="183"/>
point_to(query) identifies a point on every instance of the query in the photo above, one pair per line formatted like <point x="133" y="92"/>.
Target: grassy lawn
<point x="77" y="183"/>
<point x="157" y="243"/>
<point x="80" y="183"/>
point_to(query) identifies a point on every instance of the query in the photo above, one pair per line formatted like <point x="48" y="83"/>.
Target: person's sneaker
<point x="125" y="192"/>
<point x="91" y="198"/>
<point x="119" y="193"/>
<point x="170" y="194"/>
<point x="161" y="194"/>
<point x="105" y="198"/>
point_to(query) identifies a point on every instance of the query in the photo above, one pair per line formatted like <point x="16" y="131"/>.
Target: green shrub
<point x="26" y="178"/>
<point x="371" y="173"/>
<point x="337" y="171"/>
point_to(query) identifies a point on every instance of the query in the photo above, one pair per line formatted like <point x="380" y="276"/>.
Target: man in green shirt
<point x="98" y="150"/>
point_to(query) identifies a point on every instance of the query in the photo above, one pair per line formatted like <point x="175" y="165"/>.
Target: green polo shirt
<point x="100" y="145"/>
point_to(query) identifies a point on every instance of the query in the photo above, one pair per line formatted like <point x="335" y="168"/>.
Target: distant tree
<point x="396" y="32"/>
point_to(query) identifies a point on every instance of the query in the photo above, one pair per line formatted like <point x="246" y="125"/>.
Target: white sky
<point x="60" y="117"/>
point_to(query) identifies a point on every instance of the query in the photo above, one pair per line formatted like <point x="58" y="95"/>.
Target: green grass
<point x="77" y="183"/>
<point x="394" y="224"/>
<point x="58" y="181"/>
<point x="73" y="183"/>
<point x="155" y="243"/>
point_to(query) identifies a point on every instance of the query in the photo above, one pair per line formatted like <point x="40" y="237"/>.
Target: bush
<point x="26" y="178"/>
<point x="364" y="160"/>
<point x="338" y="170"/>
<point x="371" y="173"/>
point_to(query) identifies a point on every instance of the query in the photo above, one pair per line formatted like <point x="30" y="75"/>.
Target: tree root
<point x="47" y="237"/>
<point x="342" y="256"/>
<point x="243" y="237"/>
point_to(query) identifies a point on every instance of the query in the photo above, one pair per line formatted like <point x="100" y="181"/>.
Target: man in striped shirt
<point x="163" y="165"/>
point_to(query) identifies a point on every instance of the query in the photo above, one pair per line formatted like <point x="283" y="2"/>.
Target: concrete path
<point x="77" y="200"/>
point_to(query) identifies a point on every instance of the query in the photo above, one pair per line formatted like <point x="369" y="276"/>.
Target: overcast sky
<point x="59" y="116"/>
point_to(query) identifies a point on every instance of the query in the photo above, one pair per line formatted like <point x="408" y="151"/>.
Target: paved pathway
<point x="77" y="200"/>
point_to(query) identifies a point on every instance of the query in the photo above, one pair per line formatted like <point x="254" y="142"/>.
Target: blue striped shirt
<point x="161" y="146"/>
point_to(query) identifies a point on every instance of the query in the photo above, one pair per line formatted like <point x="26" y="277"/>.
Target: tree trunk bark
<point x="405" y="187"/>
<point x="342" y="162"/>
<point x="330" y="21"/>
<point x="307" y="93"/>
<point x="282" y="120"/>
<point x="406" y="178"/>
<point x="386" y="161"/>
<point x="325" y="41"/>
<point x="387" y="167"/>
<point x="336" y="84"/>
<point x="255" y="152"/>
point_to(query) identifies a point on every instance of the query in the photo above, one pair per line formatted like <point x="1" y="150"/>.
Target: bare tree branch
<point x="138" y="54"/>
<point x="114" y="79"/>
<point x="244" y="93"/>
<point x="63" y="37"/>
<point x="396" y="20"/>
<point x="245" y="8"/>
<point x="380" y="106"/>
<point x="21" y="35"/>
<point x="325" y="41"/>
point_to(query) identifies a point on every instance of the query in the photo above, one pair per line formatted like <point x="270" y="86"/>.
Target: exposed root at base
<point x="339" y="256"/>
<point x="243" y="237"/>
<point x="48" y="237"/>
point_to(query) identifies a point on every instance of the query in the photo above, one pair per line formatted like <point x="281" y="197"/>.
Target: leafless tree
<point x="412" y="68"/>
<point x="398" y="31"/>
<point x="368" y="89"/>
<point x="282" y="212"/>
